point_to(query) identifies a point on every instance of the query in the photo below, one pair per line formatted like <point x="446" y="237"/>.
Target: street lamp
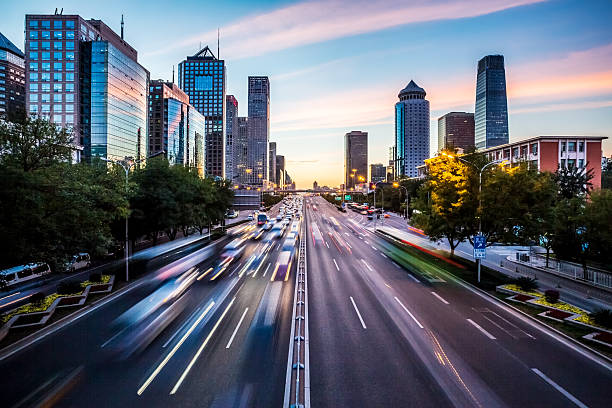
<point x="480" y="171"/>
<point x="396" y="185"/>
<point x="383" y="197"/>
<point x="127" y="164"/>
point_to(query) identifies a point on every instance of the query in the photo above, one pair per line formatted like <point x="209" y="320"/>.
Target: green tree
<point x="573" y="181"/>
<point x="597" y="224"/>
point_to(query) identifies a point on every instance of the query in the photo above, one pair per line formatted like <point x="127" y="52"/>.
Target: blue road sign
<point x="480" y="247"/>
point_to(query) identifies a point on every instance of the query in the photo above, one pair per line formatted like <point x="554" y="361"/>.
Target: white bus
<point x="24" y="273"/>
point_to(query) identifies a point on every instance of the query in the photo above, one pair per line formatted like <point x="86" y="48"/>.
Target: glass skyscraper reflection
<point x="411" y="130"/>
<point x="202" y="77"/>
<point x="491" y="115"/>
<point x="259" y="129"/>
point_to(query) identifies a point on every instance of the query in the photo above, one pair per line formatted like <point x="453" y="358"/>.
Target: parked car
<point x="78" y="261"/>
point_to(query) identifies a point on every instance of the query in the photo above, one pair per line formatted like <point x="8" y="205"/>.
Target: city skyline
<point x="326" y="66"/>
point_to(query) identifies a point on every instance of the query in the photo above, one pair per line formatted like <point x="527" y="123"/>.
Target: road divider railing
<point x="297" y="383"/>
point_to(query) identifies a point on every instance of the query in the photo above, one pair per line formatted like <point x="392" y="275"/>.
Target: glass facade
<point x="176" y="125"/>
<point x="195" y="145"/>
<point x="491" y="115"/>
<point x="259" y="128"/>
<point x="117" y="88"/>
<point x="411" y="130"/>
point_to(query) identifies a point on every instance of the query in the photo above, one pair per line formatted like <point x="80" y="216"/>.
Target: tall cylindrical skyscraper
<point x="411" y="130"/>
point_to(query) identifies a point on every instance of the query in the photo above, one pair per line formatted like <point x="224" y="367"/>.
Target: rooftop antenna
<point x="122" y="26"/>
<point x="218" y="57"/>
<point x="62" y="11"/>
<point x="56" y="11"/>
<point x="172" y="73"/>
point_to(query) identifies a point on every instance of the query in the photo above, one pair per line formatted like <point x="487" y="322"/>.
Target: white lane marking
<point x="483" y="331"/>
<point x="396" y="265"/>
<point x="366" y="242"/>
<point x="440" y="298"/>
<point x="181" y="328"/>
<point x="335" y="263"/>
<point x="193" y="360"/>
<point x="559" y="388"/>
<point x="408" y="311"/>
<point x="347" y="234"/>
<point x="326" y="244"/>
<point x="367" y="266"/>
<point x="267" y="267"/>
<point x="349" y="245"/>
<point x="374" y="248"/>
<point x="413" y="278"/>
<point x="383" y="255"/>
<point x="112" y="338"/>
<point x="358" y="314"/>
<point x="229" y="343"/>
<point x="174" y="350"/>
<point x="8" y="296"/>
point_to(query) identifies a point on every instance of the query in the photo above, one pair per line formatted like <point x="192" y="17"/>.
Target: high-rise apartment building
<point x="175" y="127"/>
<point x="378" y="172"/>
<point x="456" y="130"/>
<point x="12" y="80"/>
<point x="241" y="145"/>
<point x="280" y="171"/>
<point x="355" y="158"/>
<point x="491" y="115"/>
<point x="259" y="128"/>
<point x="81" y="74"/>
<point x="272" y="163"/>
<point x="202" y="77"/>
<point x="411" y="130"/>
<point x="231" y="123"/>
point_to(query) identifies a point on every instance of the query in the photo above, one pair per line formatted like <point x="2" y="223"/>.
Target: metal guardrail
<point x="297" y="385"/>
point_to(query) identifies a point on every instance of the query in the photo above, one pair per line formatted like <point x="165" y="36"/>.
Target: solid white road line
<point x="367" y="266"/>
<point x="193" y="360"/>
<point x="335" y="263"/>
<point x="413" y="278"/>
<point x="374" y="248"/>
<point x="326" y="244"/>
<point x="267" y="267"/>
<point x="483" y="331"/>
<point x="440" y="298"/>
<point x="358" y="314"/>
<point x="408" y="311"/>
<point x="112" y="338"/>
<point x="174" y="349"/>
<point x="396" y="265"/>
<point x="559" y="388"/>
<point x="229" y="343"/>
<point x="8" y="296"/>
<point x="181" y="328"/>
<point x="383" y="255"/>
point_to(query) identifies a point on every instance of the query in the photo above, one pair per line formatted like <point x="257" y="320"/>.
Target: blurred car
<point x="78" y="261"/>
<point x="386" y="215"/>
<point x="231" y="252"/>
<point x="283" y="266"/>
<point x="250" y="217"/>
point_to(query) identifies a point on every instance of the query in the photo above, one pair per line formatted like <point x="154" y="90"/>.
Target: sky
<point x="337" y="66"/>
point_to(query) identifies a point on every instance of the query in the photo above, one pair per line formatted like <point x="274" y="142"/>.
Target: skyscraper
<point x="411" y="130"/>
<point x="272" y="162"/>
<point x="280" y="171"/>
<point x="378" y="172"/>
<point x="231" y="120"/>
<point x="355" y="158"/>
<point x="259" y="128"/>
<point x="456" y="129"/>
<point x="202" y="77"/>
<point x="175" y="126"/>
<point x="491" y="116"/>
<point x="73" y="69"/>
<point x="241" y="145"/>
<point x="12" y="80"/>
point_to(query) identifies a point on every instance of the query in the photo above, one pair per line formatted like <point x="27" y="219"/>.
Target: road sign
<point x="347" y="197"/>
<point x="480" y="247"/>
<point x="337" y="198"/>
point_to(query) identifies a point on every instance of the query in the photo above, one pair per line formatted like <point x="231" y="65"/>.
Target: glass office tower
<point x="259" y="129"/>
<point x="411" y="130"/>
<point x="355" y="158"/>
<point x="12" y="80"/>
<point x="202" y="77"/>
<point x="491" y="116"/>
<point x="231" y="118"/>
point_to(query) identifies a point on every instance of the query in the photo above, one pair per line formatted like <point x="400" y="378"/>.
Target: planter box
<point x="72" y="301"/>
<point x="596" y="337"/>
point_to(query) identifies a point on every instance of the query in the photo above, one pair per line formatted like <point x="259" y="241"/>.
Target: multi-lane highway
<point x="379" y="335"/>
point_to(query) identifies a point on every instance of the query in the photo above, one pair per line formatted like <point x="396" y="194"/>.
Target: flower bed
<point x="605" y="337"/>
<point x="522" y="298"/>
<point x="557" y="314"/>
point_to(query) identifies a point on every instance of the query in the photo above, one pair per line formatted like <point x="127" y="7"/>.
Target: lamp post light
<point x="396" y="185"/>
<point x="383" y="197"/>
<point x="480" y="171"/>
<point x="127" y="164"/>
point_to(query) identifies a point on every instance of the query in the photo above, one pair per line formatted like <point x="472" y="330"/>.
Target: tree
<point x="573" y="181"/>
<point x="597" y="224"/>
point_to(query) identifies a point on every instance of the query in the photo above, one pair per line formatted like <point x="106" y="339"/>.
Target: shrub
<point x="37" y="298"/>
<point x="95" y="277"/>
<point x="551" y="296"/>
<point x="603" y="317"/>
<point x="69" y="287"/>
<point x="527" y="284"/>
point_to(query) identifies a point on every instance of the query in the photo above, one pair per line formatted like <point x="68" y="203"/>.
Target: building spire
<point x="122" y="26"/>
<point x="172" y="73"/>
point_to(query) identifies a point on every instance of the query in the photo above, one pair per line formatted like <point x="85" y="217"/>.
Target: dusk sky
<point x="337" y="66"/>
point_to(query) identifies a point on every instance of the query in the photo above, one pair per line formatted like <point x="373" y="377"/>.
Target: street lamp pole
<point x="375" y="187"/>
<point x="396" y="185"/>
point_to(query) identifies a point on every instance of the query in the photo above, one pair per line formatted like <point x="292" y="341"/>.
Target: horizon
<point x="324" y="84"/>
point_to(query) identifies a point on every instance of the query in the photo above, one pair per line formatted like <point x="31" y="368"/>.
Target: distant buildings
<point x="12" y="80"/>
<point x="272" y="163"/>
<point x="231" y="123"/>
<point x="241" y="145"/>
<point x="202" y="77"/>
<point x="315" y="186"/>
<point x="259" y="129"/>
<point x="280" y="171"/>
<point x="456" y="130"/>
<point x="355" y="158"/>
<point x="491" y="115"/>
<point x="411" y="130"/>
<point x="378" y="172"/>
<point x="175" y="126"/>
<point x="73" y="71"/>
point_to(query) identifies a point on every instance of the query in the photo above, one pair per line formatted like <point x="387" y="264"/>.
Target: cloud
<point x="563" y="107"/>
<point x="312" y="22"/>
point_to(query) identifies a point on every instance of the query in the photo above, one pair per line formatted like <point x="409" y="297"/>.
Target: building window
<point x="57" y="56"/>
<point x="70" y="45"/>
<point x="70" y="35"/>
<point x="69" y="77"/>
<point x="70" y="119"/>
<point x="57" y="45"/>
<point x="562" y="163"/>
<point x="69" y="97"/>
<point x="46" y="87"/>
<point x="33" y="77"/>
<point x="45" y="108"/>
<point x="46" y="56"/>
<point x="69" y="87"/>
<point x="46" y="66"/>
<point x="45" y="77"/>
<point x="45" y="98"/>
<point x="57" y="98"/>
<point x="34" y="56"/>
<point x="33" y="97"/>
<point x="57" y="24"/>
<point x="33" y="66"/>
<point x="581" y="147"/>
<point x="571" y="146"/>
<point x="45" y="35"/>
<point x="33" y="108"/>
<point x="69" y="108"/>
<point x="46" y="45"/>
<point x="46" y="24"/>
<point x="571" y="163"/>
<point x="534" y="148"/>
<point x="33" y="23"/>
<point x="70" y="66"/>
<point x="57" y="87"/>
<point x="70" y="24"/>
<point x="57" y="77"/>
<point x="33" y="45"/>
<point x="33" y="35"/>
<point x="33" y="87"/>
<point x="57" y="35"/>
<point x="57" y="66"/>
<point x="57" y="108"/>
<point x="562" y="147"/>
<point x="515" y="152"/>
<point x="70" y="56"/>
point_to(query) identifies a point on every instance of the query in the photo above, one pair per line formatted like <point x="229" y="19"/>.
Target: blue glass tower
<point x="491" y="116"/>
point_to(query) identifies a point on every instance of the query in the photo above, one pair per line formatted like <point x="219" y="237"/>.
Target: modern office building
<point x="259" y="129"/>
<point x="12" y="80"/>
<point x="202" y="77"/>
<point x="175" y="127"/>
<point x="241" y="144"/>
<point x="231" y="123"/>
<point x="456" y="130"/>
<point x="491" y="115"/>
<point x="280" y="171"/>
<point x="411" y="130"/>
<point x="378" y="172"/>
<point x="355" y="158"/>
<point x="81" y="74"/>
<point x="391" y="165"/>
<point x="272" y="163"/>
